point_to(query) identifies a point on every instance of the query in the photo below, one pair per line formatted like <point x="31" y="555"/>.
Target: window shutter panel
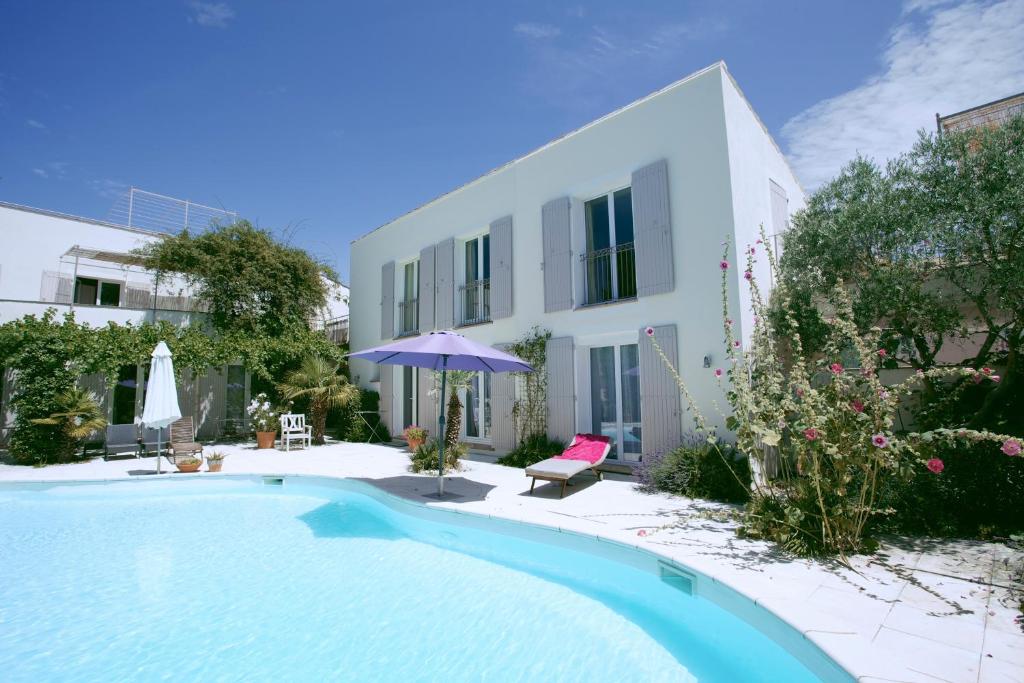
<point x="584" y="406"/>
<point x="137" y="295"/>
<point x="780" y="208"/>
<point x="561" y="390"/>
<point x="387" y="396"/>
<point x="426" y="286"/>
<point x="387" y="300"/>
<point x="426" y="400"/>
<point x="444" y="278"/>
<point x="652" y="230"/>
<point x="660" y="415"/>
<point x="503" y="396"/>
<point x="557" y="255"/>
<point x="501" y="268"/>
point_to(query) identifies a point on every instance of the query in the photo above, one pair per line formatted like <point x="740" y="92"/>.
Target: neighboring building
<point x="83" y="266"/>
<point x="611" y="228"/>
<point x="985" y="115"/>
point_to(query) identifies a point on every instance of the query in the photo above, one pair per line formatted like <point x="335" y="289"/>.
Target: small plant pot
<point x="194" y="467"/>
<point x="414" y="444"/>
<point x="265" y="439"/>
<point x="213" y="466"/>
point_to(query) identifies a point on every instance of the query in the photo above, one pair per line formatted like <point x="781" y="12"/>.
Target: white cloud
<point x="41" y="172"/>
<point x="537" y="31"/>
<point x="108" y="189"/>
<point x="211" y="14"/>
<point x="32" y="123"/>
<point x="940" y="58"/>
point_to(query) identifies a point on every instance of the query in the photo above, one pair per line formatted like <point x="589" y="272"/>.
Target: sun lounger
<point x="183" y="441"/>
<point x="121" y="440"/>
<point x="586" y="452"/>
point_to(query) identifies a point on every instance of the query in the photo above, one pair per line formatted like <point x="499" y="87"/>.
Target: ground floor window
<point x="615" y="398"/>
<point x="410" y="382"/>
<point x="234" y="408"/>
<point x="125" y="395"/>
<point x="478" y="406"/>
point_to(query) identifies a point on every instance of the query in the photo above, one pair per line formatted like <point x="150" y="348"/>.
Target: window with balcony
<point x="475" y="294"/>
<point x="408" y="307"/>
<point x="609" y="263"/>
<point x="478" y="407"/>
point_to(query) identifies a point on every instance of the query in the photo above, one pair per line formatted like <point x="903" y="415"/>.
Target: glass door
<point x="615" y="399"/>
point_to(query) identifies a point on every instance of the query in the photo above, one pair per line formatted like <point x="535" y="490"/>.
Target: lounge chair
<point x="183" y="441"/>
<point x="586" y="452"/>
<point x="121" y="440"/>
<point x="148" y="440"/>
<point x="293" y="428"/>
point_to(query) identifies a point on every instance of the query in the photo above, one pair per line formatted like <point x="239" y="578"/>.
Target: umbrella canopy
<point x="161" y="407"/>
<point x="444" y="351"/>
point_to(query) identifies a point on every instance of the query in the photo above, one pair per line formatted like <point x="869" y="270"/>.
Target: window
<point x="615" y="398"/>
<point x="478" y="407"/>
<point x="234" y="408"/>
<point x="409" y="386"/>
<point x="476" y="293"/>
<point x="609" y="264"/>
<point x="124" y="395"/>
<point x="408" y="307"/>
<point x="92" y="292"/>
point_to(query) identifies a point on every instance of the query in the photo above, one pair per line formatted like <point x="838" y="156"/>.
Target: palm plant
<point x="79" y="415"/>
<point x="319" y="381"/>
<point x="457" y="381"/>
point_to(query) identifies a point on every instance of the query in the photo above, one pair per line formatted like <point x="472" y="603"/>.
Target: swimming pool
<point x="304" y="578"/>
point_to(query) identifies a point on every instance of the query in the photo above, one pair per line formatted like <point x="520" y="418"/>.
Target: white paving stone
<point x="915" y="611"/>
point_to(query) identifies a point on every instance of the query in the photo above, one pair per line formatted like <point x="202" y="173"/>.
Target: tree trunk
<point x="454" y="426"/>
<point x="318" y="418"/>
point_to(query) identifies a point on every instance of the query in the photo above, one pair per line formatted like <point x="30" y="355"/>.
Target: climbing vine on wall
<point x="529" y="410"/>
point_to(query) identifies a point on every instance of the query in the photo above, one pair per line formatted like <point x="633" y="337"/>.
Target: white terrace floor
<point x="916" y="611"/>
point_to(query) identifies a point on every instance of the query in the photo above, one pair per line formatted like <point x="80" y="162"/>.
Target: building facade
<point x="615" y="227"/>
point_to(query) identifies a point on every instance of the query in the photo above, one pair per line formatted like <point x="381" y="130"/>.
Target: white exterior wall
<point x="684" y="124"/>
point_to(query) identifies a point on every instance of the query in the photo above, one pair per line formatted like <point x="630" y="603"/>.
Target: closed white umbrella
<point x="161" y="407"/>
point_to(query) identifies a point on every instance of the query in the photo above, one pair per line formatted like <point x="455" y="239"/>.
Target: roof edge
<point x="81" y="219"/>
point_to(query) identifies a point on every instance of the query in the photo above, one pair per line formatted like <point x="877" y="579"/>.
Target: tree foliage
<point x="318" y="380"/>
<point x="933" y="247"/>
<point x="251" y="282"/>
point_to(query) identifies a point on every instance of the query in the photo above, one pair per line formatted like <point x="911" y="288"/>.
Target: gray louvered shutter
<point x="780" y="208"/>
<point x="561" y="389"/>
<point x="387" y="300"/>
<point x="426" y="402"/>
<point x="501" y="268"/>
<point x="660" y="415"/>
<point x="387" y="396"/>
<point x="137" y="295"/>
<point x="503" y="396"/>
<point x="426" y="285"/>
<point x="56" y="287"/>
<point x="557" y="255"/>
<point x="444" y="279"/>
<point x="652" y="230"/>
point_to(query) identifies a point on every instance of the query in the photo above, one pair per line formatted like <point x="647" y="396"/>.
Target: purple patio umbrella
<point x="443" y="351"/>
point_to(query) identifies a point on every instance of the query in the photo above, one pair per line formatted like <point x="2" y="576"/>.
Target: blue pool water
<point x="232" y="579"/>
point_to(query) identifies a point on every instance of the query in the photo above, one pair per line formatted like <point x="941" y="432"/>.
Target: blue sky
<point x="322" y="120"/>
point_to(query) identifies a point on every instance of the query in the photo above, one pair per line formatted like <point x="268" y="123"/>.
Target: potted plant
<point x="188" y="464"/>
<point x="264" y="420"/>
<point x="214" y="461"/>
<point x="415" y="435"/>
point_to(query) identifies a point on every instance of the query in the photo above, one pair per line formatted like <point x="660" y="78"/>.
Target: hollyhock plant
<point x="649" y="331"/>
<point x="935" y="465"/>
<point x="880" y="441"/>
<point x="723" y="264"/>
<point x="857" y="405"/>
<point x="811" y="434"/>
<point x="718" y="372"/>
<point x="836" y="368"/>
<point x="1011" y="447"/>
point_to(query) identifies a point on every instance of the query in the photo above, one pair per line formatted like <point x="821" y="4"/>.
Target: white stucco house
<point x="83" y="266"/>
<point x="614" y="227"/>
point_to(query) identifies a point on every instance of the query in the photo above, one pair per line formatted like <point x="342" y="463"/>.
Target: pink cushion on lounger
<point x="589" y="447"/>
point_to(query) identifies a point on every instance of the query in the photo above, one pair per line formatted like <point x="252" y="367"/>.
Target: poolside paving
<point x="917" y="610"/>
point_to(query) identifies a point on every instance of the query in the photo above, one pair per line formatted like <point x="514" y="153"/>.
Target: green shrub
<point x="696" y="470"/>
<point x="535" y="448"/>
<point x="351" y="427"/>
<point x="425" y="458"/>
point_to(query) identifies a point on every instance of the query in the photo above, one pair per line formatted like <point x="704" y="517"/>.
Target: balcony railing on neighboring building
<point x="335" y="329"/>
<point x="475" y="298"/>
<point x="408" y="317"/>
<point x="609" y="274"/>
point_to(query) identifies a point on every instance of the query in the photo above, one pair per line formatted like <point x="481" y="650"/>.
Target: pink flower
<point x="867" y="372"/>
<point x="857" y="405"/>
<point x="1011" y="447"/>
<point x="987" y="371"/>
<point x="995" y="378"/>
<point x="836" y="368"/>
<point x="919" y="371"/>
<point x="736" y="343"/>
<point x="880" y="440"/>
<point x="882" y="353"/>
<point x="649" y="331"/>
<point x="724" y="265"/>
<point x="747" y="275"/>
<point x="811" y="434"/>
<point x="642" y="532"/>
<point x="718" y="372"/>
<point x="978" y="378"/>
<point x="800" y="392"/>
<point x="728" y="321"/>
<point x="883" y="394"/>
<point x="759" y="241"/>
<point x="752" y="251"/>
<point x="935" y="465"/>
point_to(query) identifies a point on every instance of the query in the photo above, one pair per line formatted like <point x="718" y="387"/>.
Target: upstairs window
<point x="609" y="264"/>
<point x="408" y="307"/>
<point x="476" y="292"/>
<point x="93" y="292"/>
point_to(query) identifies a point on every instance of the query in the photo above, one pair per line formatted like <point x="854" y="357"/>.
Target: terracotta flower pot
<point x="186" y="467"/>
<point x="265" y="439"/>
<point x="213" y="466"/>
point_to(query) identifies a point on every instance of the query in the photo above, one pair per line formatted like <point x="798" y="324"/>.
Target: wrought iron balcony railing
<point x="475" y="298"/>
<point x="609" y="274"/>
<point x="408" y="317"/>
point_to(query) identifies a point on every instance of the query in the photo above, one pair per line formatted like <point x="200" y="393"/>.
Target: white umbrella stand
<point x="161" y="407"/>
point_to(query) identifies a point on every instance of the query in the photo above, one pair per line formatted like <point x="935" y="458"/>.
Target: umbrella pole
<point x="158" y="431"/>
<point x="440" y="425"/>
